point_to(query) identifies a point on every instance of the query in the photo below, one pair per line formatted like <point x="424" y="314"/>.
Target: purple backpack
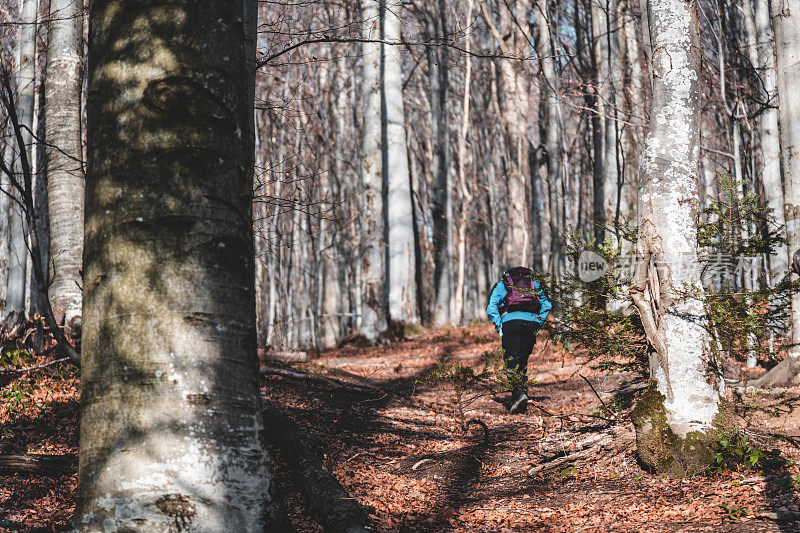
<point x="521" y="294"/>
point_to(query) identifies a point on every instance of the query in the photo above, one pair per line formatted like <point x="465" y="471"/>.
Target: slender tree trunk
<point x="513" y="41"/>
<point x="678" y="418"/>
<point x="597" y="124"/>
<point x="26" y="96"/>
<point x="62" y="92"/>
<point x="769" y="140"/>
<point x="633" y="102"/>
<point x="5" y="213"/>
<point x="466" y="196"/>
<point x="552" y="132"/>
<point x="786" y="22"/>
<point x="170" y="407"/>
<point x="441" y="195"/>
<point x="399" y="210"/>
<point x="373" y="271"/>
<point x="611" y="75"/>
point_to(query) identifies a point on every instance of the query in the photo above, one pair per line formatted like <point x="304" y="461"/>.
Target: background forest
<point x="506" y="129"/>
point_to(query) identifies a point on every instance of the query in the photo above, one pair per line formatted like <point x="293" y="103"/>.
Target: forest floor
<point x="400" y="451"/>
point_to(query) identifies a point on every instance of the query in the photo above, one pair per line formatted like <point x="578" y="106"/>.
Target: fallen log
<point x="555" y="463"/>
<point x="282" y="356"/>
<point x="564" y="448"/>
<point x="49" y="465"/>
<point x="327" y="499"/>
<point x="316" y="378"/>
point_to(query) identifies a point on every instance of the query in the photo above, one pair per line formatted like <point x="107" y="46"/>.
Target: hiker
<point x="518" y="306"/>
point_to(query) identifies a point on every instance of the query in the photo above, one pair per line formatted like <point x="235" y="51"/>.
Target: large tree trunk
<point x="442" y="193"/>
<point x="678" y="418"/>
<point x="26" y="95"/>
<point x="62" y="92"/>
<point x="402" y="264"/>
<point x="171" y="434"/>
<point x="786" y="21"/>
<point x="373" y="310"/>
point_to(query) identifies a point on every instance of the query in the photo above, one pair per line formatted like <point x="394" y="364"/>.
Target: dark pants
<point x="518" y="338"/>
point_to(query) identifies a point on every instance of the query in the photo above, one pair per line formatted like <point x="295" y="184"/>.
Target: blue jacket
<point x="497" y="296"/>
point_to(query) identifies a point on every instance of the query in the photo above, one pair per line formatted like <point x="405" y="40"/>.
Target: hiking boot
<point x="519" y="403"/>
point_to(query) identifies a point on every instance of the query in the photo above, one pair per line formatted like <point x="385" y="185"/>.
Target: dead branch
<point x="629" y="387"/>
<point x="609" y="411"/>
<point x="29" y="368"/>
<point x="316" y="378"/>
<point x="42" y="464"/>
<point x="555" y="463"/>
<point x="558" y="450"/>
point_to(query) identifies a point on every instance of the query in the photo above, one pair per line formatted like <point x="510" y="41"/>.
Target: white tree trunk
<point x="62" y="92"/>
<point x="466" y="195"/>
<point x="373" y="271"/>
<point x="769" y="139"/>
<point x="400" y="212"/>
<point x="786" y="22"/>
<point x="171" y="433"/>
<point x="682" y="409"/>
<point x="5" y="220"/>
<point x="26" y="95"/>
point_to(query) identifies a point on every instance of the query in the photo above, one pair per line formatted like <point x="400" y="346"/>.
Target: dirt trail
<point x="401" y="451"/>
<point x="374" y="443"/>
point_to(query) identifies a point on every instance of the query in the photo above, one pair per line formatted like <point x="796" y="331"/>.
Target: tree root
<point x="483" y="425"/>
<point x="326" y="497"/>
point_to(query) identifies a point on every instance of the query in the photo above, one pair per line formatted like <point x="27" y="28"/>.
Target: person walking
<point x="517" y="307"/>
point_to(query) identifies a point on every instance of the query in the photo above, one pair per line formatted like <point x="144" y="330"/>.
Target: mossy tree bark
<point x="678" y="419"/>
<point x="171" y="437"/>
